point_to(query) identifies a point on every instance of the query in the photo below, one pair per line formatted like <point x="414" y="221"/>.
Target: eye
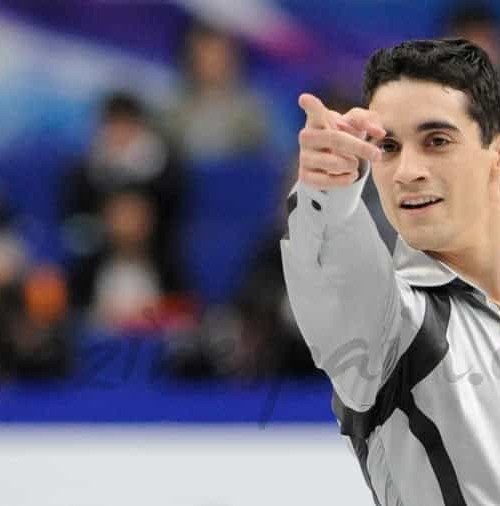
<point x="437" y="141"/>
<point x="388" y="146"/>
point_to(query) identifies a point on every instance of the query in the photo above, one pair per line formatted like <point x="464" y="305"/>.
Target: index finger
<point x="317" y="113"/>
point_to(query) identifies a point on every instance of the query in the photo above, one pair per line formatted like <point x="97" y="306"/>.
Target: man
<point x="409" y="343"/>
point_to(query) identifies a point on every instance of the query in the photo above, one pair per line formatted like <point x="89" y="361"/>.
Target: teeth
<point x="420" y="201"/>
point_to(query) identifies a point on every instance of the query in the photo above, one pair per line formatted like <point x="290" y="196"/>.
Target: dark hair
<point x="203" y="31"/>
<point x="468" y="14"/>
<point x="456" y="63"/>
<point x="121" y="104"/>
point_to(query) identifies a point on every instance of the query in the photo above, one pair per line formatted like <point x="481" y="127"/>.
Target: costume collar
<point x="420" y="269"/>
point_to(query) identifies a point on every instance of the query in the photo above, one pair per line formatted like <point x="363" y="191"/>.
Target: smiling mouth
<point x="420" y="206"/>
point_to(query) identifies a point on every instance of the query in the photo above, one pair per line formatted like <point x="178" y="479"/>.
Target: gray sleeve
<point x="355" y="314"/>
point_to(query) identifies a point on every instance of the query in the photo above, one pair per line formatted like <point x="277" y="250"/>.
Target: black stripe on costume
<point x="430" y="344"/>
<point x="424" y="429"/>
<point x="361" y="448"/>
<point x="425" y="352"/>
<point x="291" y="203"/>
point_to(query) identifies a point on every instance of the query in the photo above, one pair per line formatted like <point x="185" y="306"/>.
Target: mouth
<point x="419" y="205"/>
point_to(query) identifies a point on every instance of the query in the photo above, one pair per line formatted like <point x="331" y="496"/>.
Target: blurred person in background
<point x="13" y="254"/>
<point x="125" y="149"/>
<point x="253" y="335"/>
<point x="217" y="115"/>
<point x="34" y="339"/>
<point x="124" y="276"/>
<point x="217" y="121"/>
<point x="123" y="196"/>
<point x="476" y="21"/>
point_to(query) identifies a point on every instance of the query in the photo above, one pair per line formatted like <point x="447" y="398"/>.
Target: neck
<point x="478" y="262"/>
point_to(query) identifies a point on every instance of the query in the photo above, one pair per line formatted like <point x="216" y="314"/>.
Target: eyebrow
<point x="436" y="125"/>
<point x="424" y="127"/>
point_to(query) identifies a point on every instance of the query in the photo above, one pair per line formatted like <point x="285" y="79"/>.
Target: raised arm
<point x="340" y="278"/>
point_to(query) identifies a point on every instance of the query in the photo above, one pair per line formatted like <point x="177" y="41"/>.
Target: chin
<point x="430" y="241"/>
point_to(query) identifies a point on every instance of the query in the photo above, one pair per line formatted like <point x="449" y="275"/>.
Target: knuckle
<point x="354" y="175"/>
<point x="359" y="116"/>
<point x="339" y="165"/>
<point x="335" y="137"/>
<point x="357" y="110"/>
<point x="336" y="140"/>
<point x="351" y="164"/>
<point x="310" y="138"/>
<point x="307" y="178"/>
<point x="347" y="179"/>
<point x="334" y="114"/>
<point x="329" y="162"/>
<point x="355" y="113"/>
<point x="304" y="174"/>
<point x="336" y="164"/>
<point x="303" y="136"/>
<point x="305" y="159"/>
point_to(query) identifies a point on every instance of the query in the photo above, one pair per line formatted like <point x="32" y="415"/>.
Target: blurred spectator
<point x="34" y="341"/>
<point x="477" y="22"/>
<point x="126" y="151"/>
<point x="217" y="115"/>
<point x="255" y="335"/>
<point x="13" y="254"/>
<point x="125" y="277"/>
<point x="269" y="341"/>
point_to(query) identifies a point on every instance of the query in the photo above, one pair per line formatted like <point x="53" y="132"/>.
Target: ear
<point x="495" y="149"/>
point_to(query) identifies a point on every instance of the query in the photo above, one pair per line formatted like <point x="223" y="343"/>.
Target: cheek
<point x="472" y="180"/>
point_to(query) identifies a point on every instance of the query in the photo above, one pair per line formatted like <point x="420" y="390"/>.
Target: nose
<point x="410" y="168"/>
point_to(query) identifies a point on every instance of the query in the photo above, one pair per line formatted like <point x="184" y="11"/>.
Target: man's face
<point x="433" y="150"/>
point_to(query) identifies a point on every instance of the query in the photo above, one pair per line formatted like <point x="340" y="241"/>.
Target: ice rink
<point x="185" y="466"/>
